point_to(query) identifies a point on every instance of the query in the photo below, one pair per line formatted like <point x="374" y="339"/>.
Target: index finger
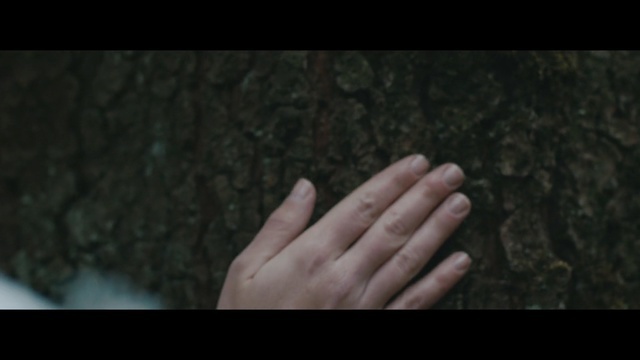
<point x="349" y="219"/>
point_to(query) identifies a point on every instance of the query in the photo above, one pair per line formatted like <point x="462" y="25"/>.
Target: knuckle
<point x="407" y="262"/>
<point x="316" y="263"/>
<point x="395" y="225"/>
<point x="339" y="288"/>
<point x="333" y="289"/>
<point x="367" y="207"/>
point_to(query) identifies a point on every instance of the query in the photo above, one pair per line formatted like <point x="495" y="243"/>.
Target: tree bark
<point x="162" y="166"/>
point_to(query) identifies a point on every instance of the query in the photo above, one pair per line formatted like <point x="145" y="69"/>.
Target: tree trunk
<point x="162" y="166"/>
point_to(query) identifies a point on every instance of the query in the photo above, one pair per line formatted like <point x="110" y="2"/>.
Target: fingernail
<point x="458" y="204"/>
<point x="301" y="189"/>
<point x="453" y="176"/>
<point x="462" y="262"/>
<point x="419" y="165"/>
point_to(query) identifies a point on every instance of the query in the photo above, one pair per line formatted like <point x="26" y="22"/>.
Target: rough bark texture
<point x="162" y="166"/>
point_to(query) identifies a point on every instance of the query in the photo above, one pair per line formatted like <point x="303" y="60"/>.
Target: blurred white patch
<point x="91" y="290"/>
<point x="16" y="296"/>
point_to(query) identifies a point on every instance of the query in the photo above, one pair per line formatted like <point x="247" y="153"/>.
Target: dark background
<point x="162" y="166"/>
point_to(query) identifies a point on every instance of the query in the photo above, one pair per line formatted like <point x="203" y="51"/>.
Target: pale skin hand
<point x="363" y="252"/>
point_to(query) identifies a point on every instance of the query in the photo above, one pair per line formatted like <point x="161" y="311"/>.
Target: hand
<point x="363" y="252"/>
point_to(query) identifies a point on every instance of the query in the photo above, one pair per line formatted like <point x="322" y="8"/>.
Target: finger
<point x="354" y="214"/>
<point x="391" y="277"/>
<point x="396" y="225"/>
<point x="426" y="292"/>
<point x="281" y="228"/>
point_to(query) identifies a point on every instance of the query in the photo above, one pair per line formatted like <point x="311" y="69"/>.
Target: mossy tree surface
<point x="162" y="166"/>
